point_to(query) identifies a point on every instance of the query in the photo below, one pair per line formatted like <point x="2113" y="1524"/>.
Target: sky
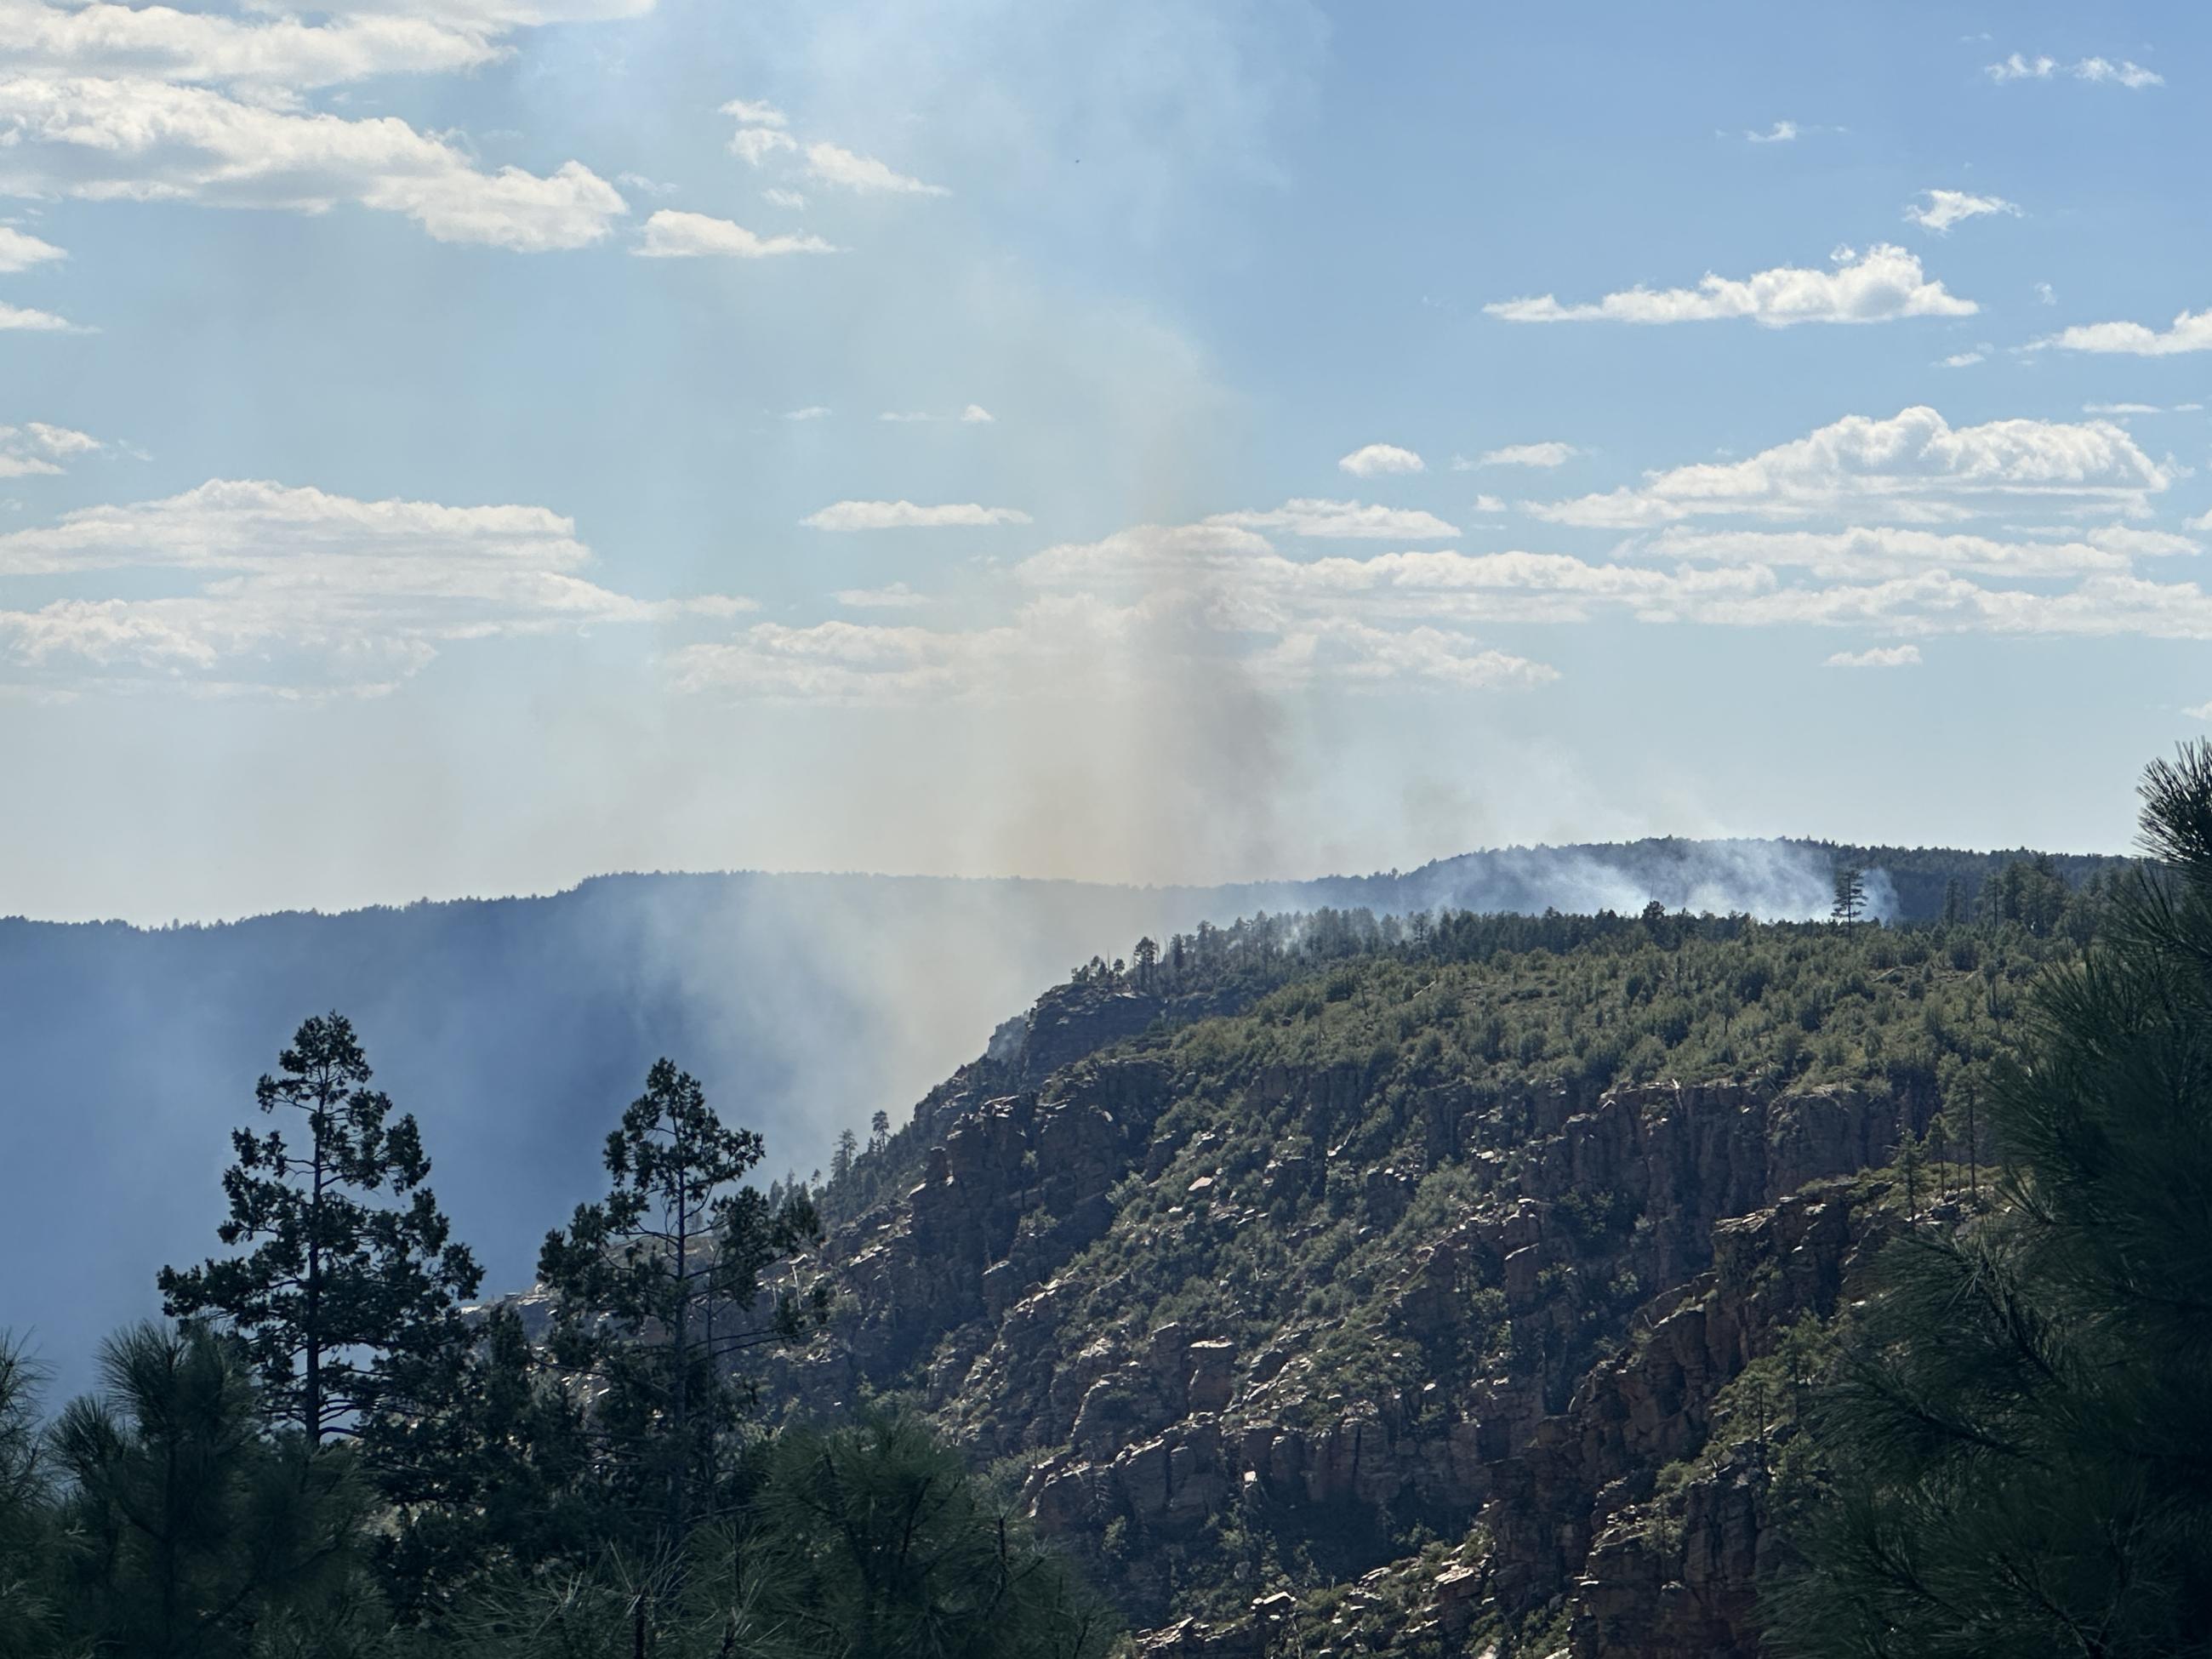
<point x="459" y="446"/>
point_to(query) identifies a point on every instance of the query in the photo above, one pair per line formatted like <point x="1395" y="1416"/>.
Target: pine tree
<point x="2016" y="1446"/>
<point x="1850" y="893"/>
<point x="879" y="1130"/>
<point x="347" y="1301"/>
<point x="27" y="1535"/>
<point x="841" y="1161"/>
<point x="189" y="1531"/>
<point x="658" y="1285"/>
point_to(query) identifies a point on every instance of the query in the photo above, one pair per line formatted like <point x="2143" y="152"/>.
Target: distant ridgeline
<point x="1776" y="879"/>
<point x="512" y="1026"/>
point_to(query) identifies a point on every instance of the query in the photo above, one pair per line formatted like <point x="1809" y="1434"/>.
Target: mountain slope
<point x="1384" y="1286"/>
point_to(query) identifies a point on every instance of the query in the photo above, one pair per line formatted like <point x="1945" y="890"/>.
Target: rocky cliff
<point x="1359" y="1311"/>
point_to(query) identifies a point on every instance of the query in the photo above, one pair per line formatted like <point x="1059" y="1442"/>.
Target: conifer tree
<point x="1850" y="893"/>
<point x="189" y="1532"/>
<point x="658" y="1285"/>
<point x="348" y="1300"/>
<point x="2018" y="1450"/>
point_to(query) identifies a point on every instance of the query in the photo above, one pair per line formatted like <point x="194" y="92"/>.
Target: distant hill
<point x="517" y="1028"/>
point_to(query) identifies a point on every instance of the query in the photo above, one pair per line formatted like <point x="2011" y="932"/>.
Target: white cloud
<point x="1337" y="521"/>
<point x="811" y="412"/>
<point x="2122" y="409"/>
<point x="670" y="235"/>
<point x="20" y="252"/>
<point x="1881" y="285"/>
<point x="643" y="185"/>
<point x="2191" y="331"/>
<point x="2134" y="76"/>
<point x="1913" y="465"/>
<point x="1543" y="454"/>
<point x="755" y="114"/>
<point x="1866" y="551"/>
<point x="1880" y="656"/>
<point x="905" y="515"/>
<point x="1080" y="646"/>
<point x="831" y="164"/>
<point x="36" y="448"/>
<point x="1781" y="133"/>
<point x="756" y="144"/>
<point x="1963" y="359"/>
<point x="977" y="414"/>
<point x="282" y="55"/>
<point x="302" y="591"/>
<point x="2201" y="712"/>
<point x="43" y="322"/>
<point x="2046" y="295"/>
<point x="1489" y="504"/>
<point x="147" y="140"/>
<point x="1374" y="460"/>
<point x="897" y="597"/>
<point x="1946" y="208"/>
<point x="776" y="196"/>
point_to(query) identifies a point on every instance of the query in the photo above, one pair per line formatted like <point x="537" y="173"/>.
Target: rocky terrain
<point x="1365" y="1313"/>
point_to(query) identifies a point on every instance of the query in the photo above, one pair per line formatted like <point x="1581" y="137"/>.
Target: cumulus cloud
<point x="811" y="412"/>
<point x="1913" y="465"/>
<point x="1946" y="208"/>
<point x="149" y="140"/>
<point x="39" y="322"/>
<point x="1880" y="656"/>
<point x="977" y="414"/>
<point x="1078" y="646"/>
<point x="2016" y="67"/>
<point x="752" y="114"/>
<point x="1963" y="359"/>
<point x="2190" y="331"/>
<point x="20" y="251"/>
<point x="2201" y="712"/>
<point x="301" y="592"/>
<point x="1542" y="454"/>
<point x="1781" y="133"/>
<point x="833" y="164"/>
<point x="1881" y="285"/>
<point x="279" y="55"/>
<point x="36" y="448"/>
<point x="905" y="515"/>
<point x="1337" y="521"/>
<point x="763" y="133"/>
<point x="776" y="196"/>
<point x="670" y="235"/>
<point x="1372" y="460"/>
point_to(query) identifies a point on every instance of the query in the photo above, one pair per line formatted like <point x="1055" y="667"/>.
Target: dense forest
<point x="1395" y="1168"/>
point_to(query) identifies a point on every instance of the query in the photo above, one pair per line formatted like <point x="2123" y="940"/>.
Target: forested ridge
<point x="1327" y="1281"/>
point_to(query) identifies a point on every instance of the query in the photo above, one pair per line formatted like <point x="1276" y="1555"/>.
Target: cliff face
<point x="1254" y="1317"/>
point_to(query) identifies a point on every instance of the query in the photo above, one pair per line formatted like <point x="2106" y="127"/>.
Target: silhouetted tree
<point x="657" y="1285"/>
<point x="348" y="1300"/>
<point x="1850" y="893"/>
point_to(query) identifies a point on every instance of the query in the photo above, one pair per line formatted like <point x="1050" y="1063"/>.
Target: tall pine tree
<point x="347" y="1297"/>
<point x="658" y="1286"/>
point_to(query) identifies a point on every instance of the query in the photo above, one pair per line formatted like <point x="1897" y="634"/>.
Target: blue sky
<point x="460" y="445"/>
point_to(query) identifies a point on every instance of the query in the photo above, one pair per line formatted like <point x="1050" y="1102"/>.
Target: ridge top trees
<point x="343" y="1304"/>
